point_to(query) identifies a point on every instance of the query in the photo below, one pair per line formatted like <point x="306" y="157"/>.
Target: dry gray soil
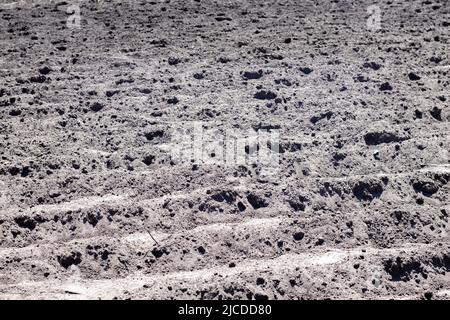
<point x="93" y="207"/>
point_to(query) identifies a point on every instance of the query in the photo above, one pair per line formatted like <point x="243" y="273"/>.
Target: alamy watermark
<point x="374" y="278"/>
<point x="196" y="144"/>
<point x="74" y="19"/>
<point x="374" y="19"/>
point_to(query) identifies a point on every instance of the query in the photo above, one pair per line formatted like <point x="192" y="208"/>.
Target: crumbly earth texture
<point x="92" y="206"/>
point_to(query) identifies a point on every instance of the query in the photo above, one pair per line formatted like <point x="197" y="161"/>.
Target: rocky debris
<point x="241" y="206"/>
<point x="220" y="19"/>
<point x="38" y="79"/>
<point x="338" y="157"/>
<point x="144" y="90"/>
<point x="15" y="113"/>
<point x="259" y="296"/>
<point x="265" y="95"/>
<point x="199" y="76"/>
<point x="385" y="87"/>
<point x="283" y="81"/>
<point x="9" y="102"/>
<point x="441" y="262"/>
<point x="306" y="70"/>
<point x="436" y="113"/>
<point x="24" y="171"/>
<point x="256" y="201"/>
<point x="148" y="160"/>
<point x="376" y="138"/>
<point x="401" y="270"/>
<point x="174" y="61"/>
<point x="158" y="253"/>
<point x="93" y="218"/>
<point x="372" y="65"/>
<point x="173" y="100"/>
<point x="225" y="196"/>
<point x="436" y="60"/>
<point x="298" y="204"/>
<point x="152" y="135"/>
<point x="290" y="146"/>
<point x="96" y="106"/>
<point x="201" y="250"/>
<point x="298" y="236"/>
<point x="427" y="188"/>
<point x="428" y="295"/>
<point x="252" y="75"/>
<point x="122" y="81"/>
<point x="223" y="60"/>
<point x="361" y="78"/>
<point x="74" y="258"/>
<point x="368" y="190"/>
<point x="413" y="77"/>
<point x="418" y="114"/>
<point x="45" y="70"/>
<point x="111" y="93"/>
<point x="326" y="115"/>
<point x="319" y="242"/>
<point x="25" y="222"/>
